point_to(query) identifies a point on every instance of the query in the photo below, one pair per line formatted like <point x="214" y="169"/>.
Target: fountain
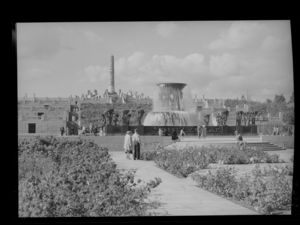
<point x="169" y="109"/>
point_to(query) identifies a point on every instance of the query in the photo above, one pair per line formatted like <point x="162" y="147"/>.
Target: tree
<point x="289" y="116"/>
<point x="279" y="99"/>
<point x="292" y="98"/>
<point x="268" y="101"/>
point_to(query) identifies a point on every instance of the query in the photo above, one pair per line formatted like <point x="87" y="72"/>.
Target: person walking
<point x="136" y="145"/>
<point x="128" y="144"/>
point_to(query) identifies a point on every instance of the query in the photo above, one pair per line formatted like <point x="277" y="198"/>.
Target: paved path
<point x="179" y="196"/>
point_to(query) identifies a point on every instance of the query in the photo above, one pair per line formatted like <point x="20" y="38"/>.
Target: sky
<point x="217" y="59"/>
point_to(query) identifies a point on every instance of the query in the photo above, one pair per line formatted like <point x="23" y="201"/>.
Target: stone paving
<point x="179" y="196"/>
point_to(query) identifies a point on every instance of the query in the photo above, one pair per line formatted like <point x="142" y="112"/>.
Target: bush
<point x="60" y="178"/>
<point x="181" y="163"/>
<point x="148" y="155"/>
<point x="272" y="158"/>
<point x="266" y="190"/>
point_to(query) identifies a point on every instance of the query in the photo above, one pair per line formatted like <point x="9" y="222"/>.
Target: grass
<point x="115" y="143"/>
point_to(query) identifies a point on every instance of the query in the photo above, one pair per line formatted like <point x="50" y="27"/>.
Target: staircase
<point x="266" y="146"/>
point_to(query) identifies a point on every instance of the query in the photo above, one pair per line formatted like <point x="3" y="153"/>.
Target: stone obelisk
<point x="112" y="76"/>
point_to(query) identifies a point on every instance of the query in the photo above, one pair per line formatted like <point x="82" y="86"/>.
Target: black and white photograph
<point x="155" y="118"/>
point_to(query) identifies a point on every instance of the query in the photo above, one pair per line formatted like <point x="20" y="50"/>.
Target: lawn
<point x="115" y="143"/>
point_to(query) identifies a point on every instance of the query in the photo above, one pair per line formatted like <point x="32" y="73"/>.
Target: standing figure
<point x="90" y="128"/>
<point x="174" y="136"/>
<point x="203" y="131"/>
<point x="62" y="131"/>
<point x="199" y="131"/>
<point x="128" y="144"/>
<point x="101" y="132"/>
<point x="274" y="130"/>
<point x="136" y="145"/>
<point x="240" y="142"/>
<point x="181" y="134"/>
<point x="236" y="133"/>
<point x="160" y="132"/>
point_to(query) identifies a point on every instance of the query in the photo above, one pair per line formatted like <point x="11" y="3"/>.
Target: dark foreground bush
<point x="61" y="178"/>
<point x="266" y="190"/>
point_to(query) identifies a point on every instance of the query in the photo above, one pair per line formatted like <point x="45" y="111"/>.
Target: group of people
<point x="276" y="130"/>
<point x="132" y="145"/>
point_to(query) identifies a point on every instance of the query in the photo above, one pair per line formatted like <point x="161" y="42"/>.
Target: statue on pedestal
<point x="141" y="113"/>
<point x="109" y="115"/>
<point x="126" y="117"/>
<point x="116" y="119"/>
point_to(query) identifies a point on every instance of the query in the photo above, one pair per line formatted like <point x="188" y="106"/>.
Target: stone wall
<point x="189" y="130"/>
<point x="55" y="115"/>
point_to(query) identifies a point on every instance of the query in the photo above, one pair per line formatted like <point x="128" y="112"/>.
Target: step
<point x="267" y="146"/>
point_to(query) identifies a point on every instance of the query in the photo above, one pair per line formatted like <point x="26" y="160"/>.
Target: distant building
<point x="46" y="116"/>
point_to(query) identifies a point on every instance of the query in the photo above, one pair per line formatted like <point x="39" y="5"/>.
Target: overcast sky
<point x="215" y="58"/>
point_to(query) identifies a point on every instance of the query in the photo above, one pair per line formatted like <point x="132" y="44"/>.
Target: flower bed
<point x="185" y="161"/>
<point x="265" y="190"/>
<point x="59" y="178"/>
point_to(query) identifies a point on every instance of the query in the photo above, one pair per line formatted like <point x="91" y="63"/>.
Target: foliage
<point x="148" y="155"/>
<point x="60" y="177"/>
<point x="289" y="116"/>
<point x="279" y="99"/>
<point x="266" y="190"/>
<point x="185" y="161"/>
<point x="181" y="163"/>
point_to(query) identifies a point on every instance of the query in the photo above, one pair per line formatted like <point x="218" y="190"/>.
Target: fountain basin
<point x="171" y="118"/>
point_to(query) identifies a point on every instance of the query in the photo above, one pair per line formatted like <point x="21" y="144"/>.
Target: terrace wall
<point x="189" y="130"/>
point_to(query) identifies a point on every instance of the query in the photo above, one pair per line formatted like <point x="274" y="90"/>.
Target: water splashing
<point x="170" y="108"/>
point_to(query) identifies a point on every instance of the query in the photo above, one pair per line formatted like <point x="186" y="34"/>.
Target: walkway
<point x="179" y="196"/>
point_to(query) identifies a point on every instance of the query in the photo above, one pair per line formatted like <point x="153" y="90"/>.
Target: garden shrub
<point x="266" y="190"/>
<point x="182" y="162"/>
<point x="148" y="155"/>
<point x="59" y="178"/>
